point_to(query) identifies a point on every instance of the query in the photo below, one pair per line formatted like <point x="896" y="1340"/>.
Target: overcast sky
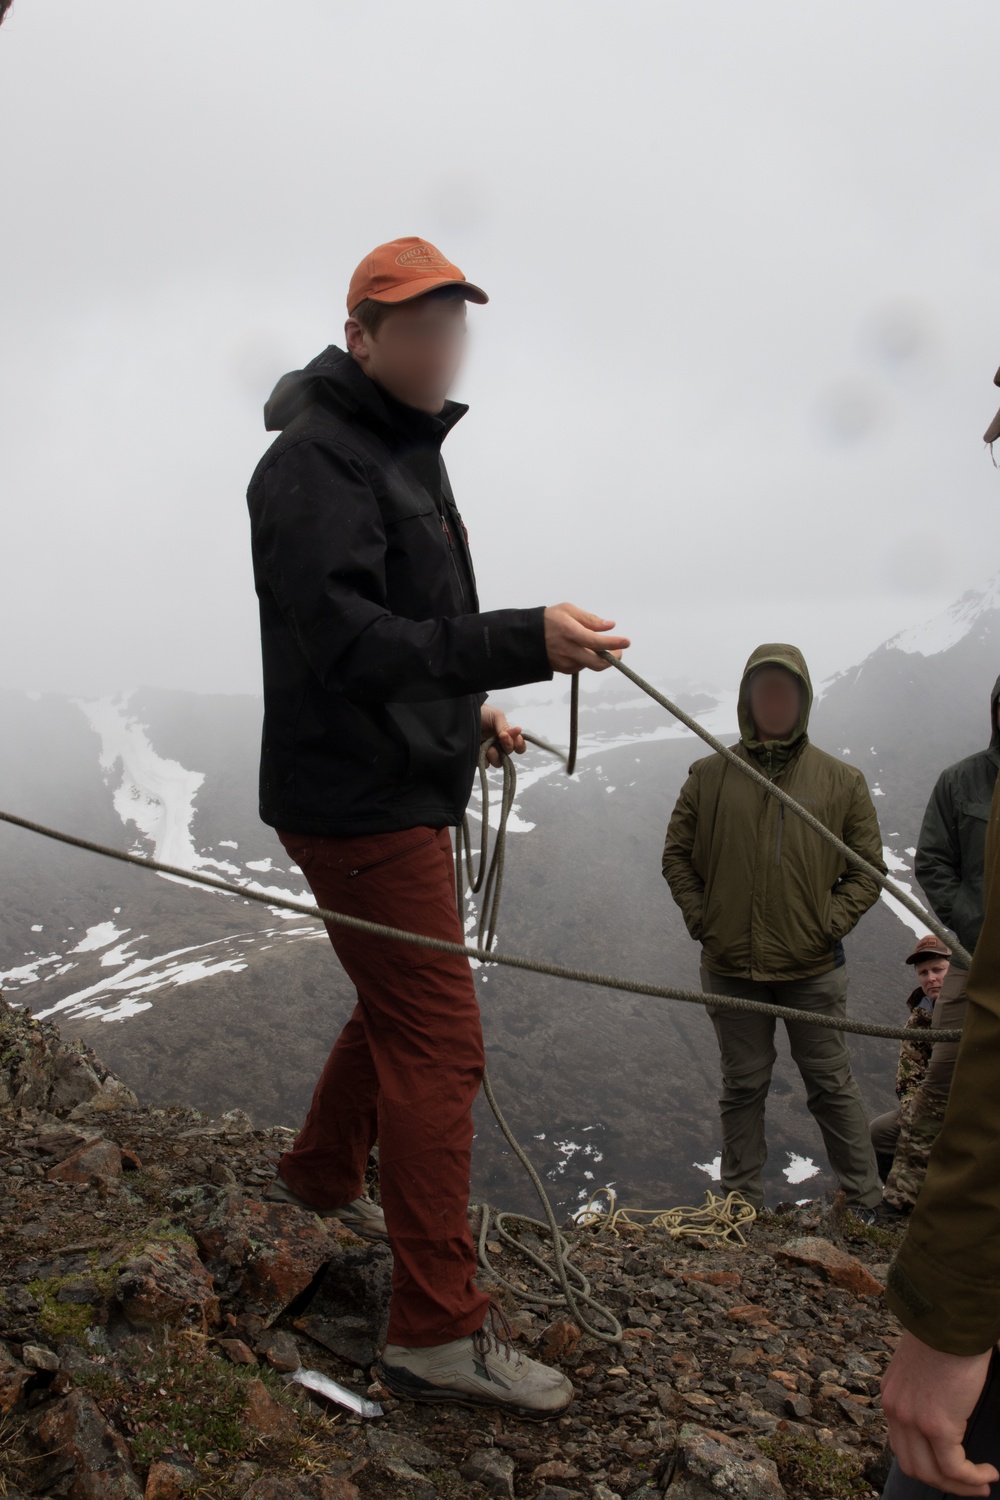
<point x="744" y="264"/>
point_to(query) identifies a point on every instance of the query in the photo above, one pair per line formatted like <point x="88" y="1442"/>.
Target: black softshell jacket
<point x="951" y="849"/>
<point x="376" y="657"/>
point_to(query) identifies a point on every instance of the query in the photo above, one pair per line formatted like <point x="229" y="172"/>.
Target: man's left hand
<point x="494" y="725"/>
<point x="928" y="1398"/>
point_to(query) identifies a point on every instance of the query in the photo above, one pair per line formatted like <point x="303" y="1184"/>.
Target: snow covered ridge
<point x="950" y="627"/>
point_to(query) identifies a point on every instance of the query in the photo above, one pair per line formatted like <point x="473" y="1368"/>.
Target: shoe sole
<point x="360" y="1227"/>
<point x="412" y="1388"/>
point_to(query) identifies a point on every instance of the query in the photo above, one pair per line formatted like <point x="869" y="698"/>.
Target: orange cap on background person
<point x="402" y="269"/>
<point x="928" y="947"/>
<point x="992" y="432"/>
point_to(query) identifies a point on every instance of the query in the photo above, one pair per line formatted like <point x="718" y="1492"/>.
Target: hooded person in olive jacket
<point x="770" y="902"/>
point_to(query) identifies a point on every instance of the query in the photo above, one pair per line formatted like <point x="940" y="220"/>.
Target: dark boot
<point x="884" y="1164"/>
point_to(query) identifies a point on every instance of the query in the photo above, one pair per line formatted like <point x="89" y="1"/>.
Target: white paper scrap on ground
<point x="314" y="1381"/>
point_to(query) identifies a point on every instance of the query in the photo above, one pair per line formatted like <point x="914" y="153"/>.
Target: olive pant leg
<point x="747" y="1055"/>
<point x="884" y="1131"/>
<point x="746" y="1045"/>
<point x="832" y="1094"/>
<point x="923" y="1119"/>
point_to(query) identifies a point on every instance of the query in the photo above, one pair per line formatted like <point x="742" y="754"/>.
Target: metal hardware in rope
<point x="858" y="861"/>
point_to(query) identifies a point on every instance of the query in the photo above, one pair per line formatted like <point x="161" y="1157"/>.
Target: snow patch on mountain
<point x="115" y="997"/>
<point x="800" y="1168"/>
<point x="896" y="865"/>
<point x="157" y="795"/>
<point x="97" y="937"/>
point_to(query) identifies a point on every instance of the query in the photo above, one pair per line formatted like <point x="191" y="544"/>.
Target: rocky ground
<point x="153" y="1309"/>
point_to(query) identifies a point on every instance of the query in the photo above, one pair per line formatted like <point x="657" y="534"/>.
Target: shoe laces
<point x="496" y="1336"/>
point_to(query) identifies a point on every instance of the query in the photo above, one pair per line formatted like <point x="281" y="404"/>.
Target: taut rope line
<point x="484" y="955"/>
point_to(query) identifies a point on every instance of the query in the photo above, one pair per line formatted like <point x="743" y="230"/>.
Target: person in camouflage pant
<point x="922" y="1104"/>
<point x="911" y="1070"/>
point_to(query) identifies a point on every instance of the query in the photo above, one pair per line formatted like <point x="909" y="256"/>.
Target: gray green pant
<point x="746" y="1044"/>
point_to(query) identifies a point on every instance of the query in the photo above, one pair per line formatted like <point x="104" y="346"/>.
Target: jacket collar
<point x="336" y="380"/>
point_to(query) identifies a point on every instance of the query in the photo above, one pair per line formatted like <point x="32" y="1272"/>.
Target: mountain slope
<point x="195" y="997"/>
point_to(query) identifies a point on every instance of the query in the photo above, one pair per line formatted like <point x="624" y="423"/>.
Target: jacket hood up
<point x="779" y="655"/>
<point x="994" y="730"/>
<point x="333" y="378"/>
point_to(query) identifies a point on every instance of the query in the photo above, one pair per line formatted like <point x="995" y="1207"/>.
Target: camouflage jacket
<point x="914" y="1054"/>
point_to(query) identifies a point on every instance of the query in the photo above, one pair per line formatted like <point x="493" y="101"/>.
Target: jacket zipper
<point x="781" y="814"/>
<point x="387" y="858"/>
<point x="463" y="588"/>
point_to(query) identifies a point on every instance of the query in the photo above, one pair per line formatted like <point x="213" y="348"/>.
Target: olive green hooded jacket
<point x="944" y="1285"/>
<point x="766" y="896"/>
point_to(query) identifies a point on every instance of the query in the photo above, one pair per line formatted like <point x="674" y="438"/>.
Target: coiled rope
<point x="722" y="1218"/>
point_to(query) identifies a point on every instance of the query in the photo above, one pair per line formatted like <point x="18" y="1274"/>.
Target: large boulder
<point x="75" y="1430"/>
<point x="832" y="1263"/>
<point x="265" y="1254"/>
<point x="167" y="1283"/>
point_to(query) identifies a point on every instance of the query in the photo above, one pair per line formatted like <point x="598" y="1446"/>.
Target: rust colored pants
<point x="404" y="1071"/>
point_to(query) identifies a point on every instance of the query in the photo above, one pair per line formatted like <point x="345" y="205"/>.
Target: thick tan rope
<point x="485" y="956"/>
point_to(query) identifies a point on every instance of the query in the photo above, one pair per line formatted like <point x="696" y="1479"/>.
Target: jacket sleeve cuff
<point x="949" y="1311"/>
<point x="514" y="645"/>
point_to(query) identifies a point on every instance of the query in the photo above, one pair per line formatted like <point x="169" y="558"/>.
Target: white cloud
<point x="737" y="256"/>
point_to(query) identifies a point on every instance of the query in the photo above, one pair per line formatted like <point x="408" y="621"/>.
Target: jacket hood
<point x="780" y="655"/>
<point x="334" y="379"/>
<point x="994" y="731"/>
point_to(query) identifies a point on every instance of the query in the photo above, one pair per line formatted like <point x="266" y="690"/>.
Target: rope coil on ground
<point x="717" y="1218"/>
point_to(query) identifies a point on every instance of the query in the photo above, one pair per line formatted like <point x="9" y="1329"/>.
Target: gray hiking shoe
<point x="481" y="1370"/>
<point x="362" y="1216"/>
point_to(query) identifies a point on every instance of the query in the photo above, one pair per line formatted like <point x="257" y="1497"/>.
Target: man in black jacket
<point x="952" y="844"/>
<point x="951" y="853"/>
<point x="377" y="659"/>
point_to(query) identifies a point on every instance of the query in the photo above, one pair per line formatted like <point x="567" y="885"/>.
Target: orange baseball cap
<point x="403" y="269"/>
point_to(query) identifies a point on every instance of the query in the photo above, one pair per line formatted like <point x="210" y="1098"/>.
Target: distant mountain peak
<point x="952" y="625"/>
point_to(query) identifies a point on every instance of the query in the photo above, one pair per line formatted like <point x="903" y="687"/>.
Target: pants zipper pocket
<point x="388" y="858"/>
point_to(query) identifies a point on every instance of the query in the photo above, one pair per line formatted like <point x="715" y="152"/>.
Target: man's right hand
<point x="573" y="636"/>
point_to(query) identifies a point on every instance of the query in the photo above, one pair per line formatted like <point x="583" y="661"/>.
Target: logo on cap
<point x="420" y="255"/>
